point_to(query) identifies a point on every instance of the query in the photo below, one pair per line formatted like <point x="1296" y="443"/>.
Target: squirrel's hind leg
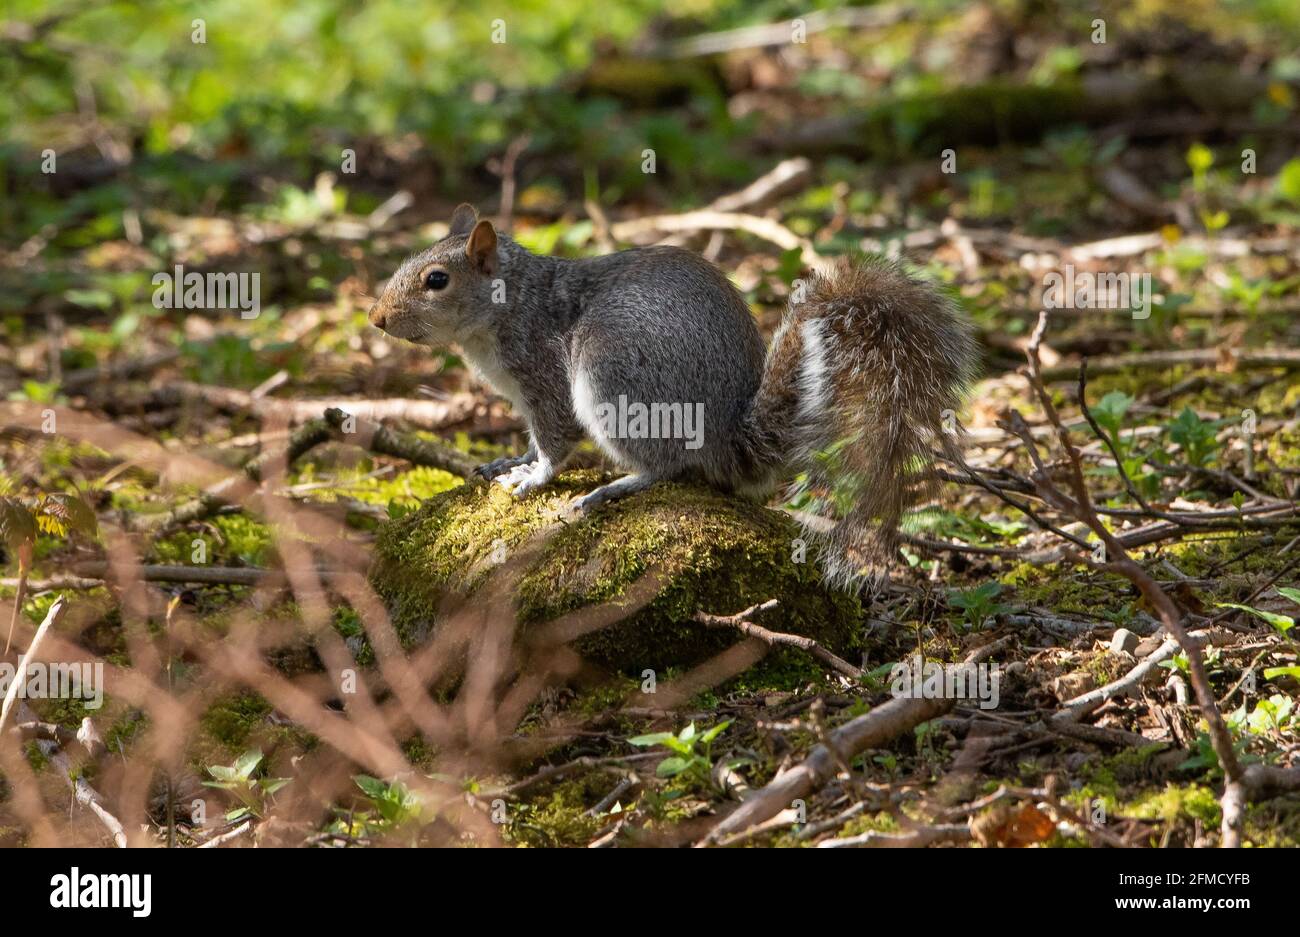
<point x="620" y="488"/>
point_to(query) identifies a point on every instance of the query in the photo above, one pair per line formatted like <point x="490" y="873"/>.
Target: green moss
<point x="409" y="487"/>
<point x="241" y="540"/>
<point x="1063" y="588"/>
<point x="232" y="719"/>
<point x="1274" y="823"/>
<point x="35" y="757"/>
<point x="1284" y="449"/>
<point x="559" y="816"/>
<point x="881" y="822"/>
<point x="707" y="551"/>
<point x="1194" y="801"/>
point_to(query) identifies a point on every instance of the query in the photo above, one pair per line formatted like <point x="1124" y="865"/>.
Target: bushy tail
<point x="862" y="383"/>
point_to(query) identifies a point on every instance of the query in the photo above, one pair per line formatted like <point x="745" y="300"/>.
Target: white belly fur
<point x="482" y="357"/>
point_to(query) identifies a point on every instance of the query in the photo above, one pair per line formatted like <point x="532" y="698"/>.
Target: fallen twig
<point x="741" y="622"/>
<point x="51" y="619"/>
<point x="872" y="730"/>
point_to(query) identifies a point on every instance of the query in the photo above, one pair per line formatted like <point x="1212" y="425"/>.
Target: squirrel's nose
<point x="377" y="315"/>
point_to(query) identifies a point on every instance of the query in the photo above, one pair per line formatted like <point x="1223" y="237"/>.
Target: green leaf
<point x="713" y="733"/>
<point x="73" y="512"/>
<point x="1271" y="714"/>
<point x="1110" y="410"/>
<point x="1194" y="435"/>
<point x="1272" y="673"/>
<point x="371" y="787"/>
<point x="1282" y="623"/>
<point x="1200" y="158"/>
<point x="41" y="391"/>
<point x="89" y="299"/>
<point x="17" y="525"/>
<point x="1290" y="593"/>
<point x="671" y="767"/>
<point x="271" y="785"/>
<point x="673" y="743"/>
<point x="1288" y="181"/>
<point x="654" y="738"/>
<point x="222" y="773"/>
<point x="248" y="763"/>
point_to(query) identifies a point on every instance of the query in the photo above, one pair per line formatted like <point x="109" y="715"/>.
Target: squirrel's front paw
<point x="522" y="479"/>
<point x="516" y="474"/>
<point x="498" y="467"/>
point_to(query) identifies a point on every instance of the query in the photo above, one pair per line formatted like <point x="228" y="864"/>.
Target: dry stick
<point x="21" y="586"/>
<point x="1116" y="364"/>
<point x="204" y="575"/>
<point x="507" y="172"/>
<point x="784" y="177"/>
<point x="911" y="839"/>
<point x="707" y="220"/>
<point x="55" y="584"/>
<point x="1170" y="615"/>
<point x="740" y="622"/>
<point x="876" y="728"/>
<point x="85" y="795"/>
<point x="82" y="377"/>
<point x="51" y="619"/>
<point x="227" y="836"/>
<point x="871" y="730"/>
<point x="301" y="441"/>
<point x="771" y="34"/>
<point x="1075" y="709"/>
<point x="49" y="731"/>
<point x="385" y="441"/>
<point x="1020" y="506"/>
<point x="1012" y="482"/>
<point x="427" y="414"/>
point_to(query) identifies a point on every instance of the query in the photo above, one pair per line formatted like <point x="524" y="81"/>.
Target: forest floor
<point x="251" y="665"/>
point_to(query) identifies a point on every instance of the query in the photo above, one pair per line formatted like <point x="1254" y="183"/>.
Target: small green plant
<point x="691" y="759"/>
<point x="1283" y="623"/>
<point x="1249" y="293"/>
<point x="978" y="605"/>
<point x="1181" y="663"/>
<point x="1205" y="759"/>
<point x="1200" y="159"/>
<point x="972" y="529"/>
<point x="253" y="794"/>
<point x="1288" y="181"/>
<point x="1275" y="714"/>
<point x="23" y="519"/>
<point x="395" y="809"/>
<point x="1195" y="436"/>
<point x="1110" y="413"/>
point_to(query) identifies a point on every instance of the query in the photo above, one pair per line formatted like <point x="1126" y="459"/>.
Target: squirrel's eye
<point x="436" y="280"/>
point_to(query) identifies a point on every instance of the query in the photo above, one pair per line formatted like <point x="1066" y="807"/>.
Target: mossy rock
<point x="708" y="551"/>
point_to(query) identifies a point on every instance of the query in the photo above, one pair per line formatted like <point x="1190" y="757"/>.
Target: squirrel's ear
<point x="481" y="248"/>
<point x="463" y="218"/>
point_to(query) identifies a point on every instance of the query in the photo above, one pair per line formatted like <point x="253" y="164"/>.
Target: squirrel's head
<point x="443" y="293"/>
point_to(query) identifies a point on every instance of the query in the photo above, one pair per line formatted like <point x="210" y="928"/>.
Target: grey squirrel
<point x="860" y="381"/>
